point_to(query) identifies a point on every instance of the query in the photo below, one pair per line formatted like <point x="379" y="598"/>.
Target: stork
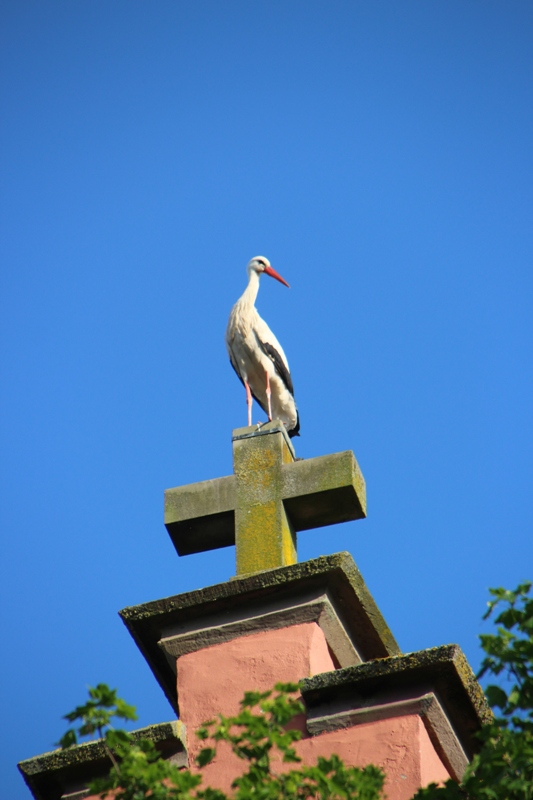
<point x="256" y="355"/>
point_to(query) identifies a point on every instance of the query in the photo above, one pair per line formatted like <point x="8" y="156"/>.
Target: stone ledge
<point x="358" y="694"/>
<point x="62" y="773"/>
<point x="217" y="629"/>
<point x="335" y="576"/>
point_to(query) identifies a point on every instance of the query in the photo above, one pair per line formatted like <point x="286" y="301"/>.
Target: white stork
<point x="256" y="355"/>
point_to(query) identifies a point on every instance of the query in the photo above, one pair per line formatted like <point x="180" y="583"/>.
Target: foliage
<point x="503" y="769"/>
<point x="96" y="714"/>
<point x="259" y="735"/>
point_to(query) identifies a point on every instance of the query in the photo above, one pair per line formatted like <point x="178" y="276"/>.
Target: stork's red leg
<point x="269" y="395"/>
<point x="249" y="401"/>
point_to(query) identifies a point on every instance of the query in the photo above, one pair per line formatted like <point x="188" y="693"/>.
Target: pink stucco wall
<point x="213" y="680"/>
<point x="400" y="746"/>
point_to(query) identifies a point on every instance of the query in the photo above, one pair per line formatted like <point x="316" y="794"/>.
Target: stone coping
<point x="335" y="575"/>
<point x="52" y="775"/>
<point x="443" y="671"/>
<point x="264" y="429"/>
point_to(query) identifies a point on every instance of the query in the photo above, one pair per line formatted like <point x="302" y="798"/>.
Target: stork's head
<point x="261" y="264"/>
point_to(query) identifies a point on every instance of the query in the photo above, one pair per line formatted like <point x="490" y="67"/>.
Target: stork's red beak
<point x="274" y="274"/>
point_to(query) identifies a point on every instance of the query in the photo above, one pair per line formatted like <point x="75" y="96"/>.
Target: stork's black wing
<point x="279" y="364"/>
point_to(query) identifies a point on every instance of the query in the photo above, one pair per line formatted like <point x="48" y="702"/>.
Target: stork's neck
<point x="247" y="299"/>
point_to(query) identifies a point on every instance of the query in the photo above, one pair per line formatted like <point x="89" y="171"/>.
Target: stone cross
<point x="269" y="498"/>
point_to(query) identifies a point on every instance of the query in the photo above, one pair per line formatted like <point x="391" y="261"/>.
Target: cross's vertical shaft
<point x="264" y="536"/>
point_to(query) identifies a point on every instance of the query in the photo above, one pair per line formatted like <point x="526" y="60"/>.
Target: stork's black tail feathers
<point x="296" y="430"/>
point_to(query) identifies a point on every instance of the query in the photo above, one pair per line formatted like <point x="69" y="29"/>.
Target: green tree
<point x="503" y="768"/>
<point x="260" y="735"/>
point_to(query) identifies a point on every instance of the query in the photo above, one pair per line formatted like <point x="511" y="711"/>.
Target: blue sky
<point x="379" y="154"/>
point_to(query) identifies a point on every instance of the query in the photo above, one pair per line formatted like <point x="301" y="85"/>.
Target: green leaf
<point x="69" y="739"/>
<point x="205" y="756"/>
<point x="496" y="696"/>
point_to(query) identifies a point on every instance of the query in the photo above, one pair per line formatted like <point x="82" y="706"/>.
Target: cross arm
<point x="323" y="491"/>
<point x="314" y="492"/>
<point x="201" y="516"/>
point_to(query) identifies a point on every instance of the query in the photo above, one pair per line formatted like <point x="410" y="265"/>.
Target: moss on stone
<point x="49" y="775"/>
